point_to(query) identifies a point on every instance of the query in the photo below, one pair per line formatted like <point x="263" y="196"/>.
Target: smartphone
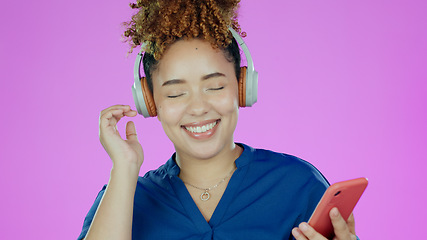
<point x="343" y="195"/>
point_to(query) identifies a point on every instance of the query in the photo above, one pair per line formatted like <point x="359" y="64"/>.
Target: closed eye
<point x="175" y="96"/>
<point x="218" y="88"/>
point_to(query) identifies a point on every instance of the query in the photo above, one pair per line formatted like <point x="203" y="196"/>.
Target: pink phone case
<point x="343" y="195"/>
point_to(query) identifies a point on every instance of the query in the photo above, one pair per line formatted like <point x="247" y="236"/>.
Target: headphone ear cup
<point x="242" y="87"/>
<point x="148" y="98"/>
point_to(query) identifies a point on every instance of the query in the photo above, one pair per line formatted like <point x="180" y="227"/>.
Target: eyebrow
<point x="213" y="75"/>
<point x="173" y="81"/>
<point x="206" y="77"/>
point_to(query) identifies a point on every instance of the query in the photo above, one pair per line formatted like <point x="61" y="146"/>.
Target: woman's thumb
<point x="131" y="131"/>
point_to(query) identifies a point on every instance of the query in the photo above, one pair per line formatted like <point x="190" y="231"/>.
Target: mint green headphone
<point x="248" y="83"/>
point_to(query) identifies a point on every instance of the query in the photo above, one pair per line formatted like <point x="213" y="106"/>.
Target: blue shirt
<point x="268" y="195"/>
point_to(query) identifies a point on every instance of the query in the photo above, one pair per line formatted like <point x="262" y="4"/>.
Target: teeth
<point x="201" y="129"/>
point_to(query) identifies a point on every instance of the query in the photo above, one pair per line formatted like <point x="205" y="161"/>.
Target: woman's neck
<point x="206" y="172"/>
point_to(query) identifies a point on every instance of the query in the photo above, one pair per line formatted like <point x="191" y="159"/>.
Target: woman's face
<point x="196" y="95"/>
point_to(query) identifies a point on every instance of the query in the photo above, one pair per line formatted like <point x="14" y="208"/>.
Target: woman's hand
<point x="343" y="230"/>
<point x="122" y="152"/>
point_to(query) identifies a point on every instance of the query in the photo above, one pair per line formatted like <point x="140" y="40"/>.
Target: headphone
<point x="248" y="83"/>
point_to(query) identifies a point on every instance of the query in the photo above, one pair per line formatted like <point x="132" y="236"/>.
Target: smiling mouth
<point x="201" y="128"/>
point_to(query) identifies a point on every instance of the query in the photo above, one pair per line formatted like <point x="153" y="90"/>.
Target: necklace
<point x="206" y="195"/>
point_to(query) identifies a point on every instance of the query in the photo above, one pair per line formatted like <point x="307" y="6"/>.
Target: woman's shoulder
<point x="160" y="177"/>
<point x="155" y="175"/>
<point x="286" y="164"/>
<point x="261" y="155"/>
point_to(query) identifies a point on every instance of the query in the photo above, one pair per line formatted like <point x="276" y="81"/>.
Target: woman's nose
<point x="198" y="104"/>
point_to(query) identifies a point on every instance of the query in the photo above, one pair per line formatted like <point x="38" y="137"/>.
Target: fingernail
<point x="295" y="232"/>
<point x="334" y="212"/>
<point x="303" y="227"/>
<point x="353" y="237"/>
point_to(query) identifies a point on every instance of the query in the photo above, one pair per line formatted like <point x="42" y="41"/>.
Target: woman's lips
<point x="201" y="130"/>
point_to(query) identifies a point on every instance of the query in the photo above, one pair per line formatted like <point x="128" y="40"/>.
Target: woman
<point x="212" y="187"/>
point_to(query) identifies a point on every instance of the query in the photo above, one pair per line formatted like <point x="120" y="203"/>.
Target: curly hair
<point x="159" y="23"/>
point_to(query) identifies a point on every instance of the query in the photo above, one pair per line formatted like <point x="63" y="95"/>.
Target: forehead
<point x="193" y="56"/>
<point x="194" y="47"/>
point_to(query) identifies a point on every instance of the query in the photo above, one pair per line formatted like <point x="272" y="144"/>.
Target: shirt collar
<point x="245" y="158"/>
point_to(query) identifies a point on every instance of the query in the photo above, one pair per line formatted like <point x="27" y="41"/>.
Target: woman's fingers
<point x="351" y="224"/>
<point x="305" y="231"/>
<point x="298" y="235"/>
<point x="126" y="150"/>
<point x="112" y="115"/>
<point x="106" y="113"/>
<point x="341" y="229"/>
<point x="125" y="107"/>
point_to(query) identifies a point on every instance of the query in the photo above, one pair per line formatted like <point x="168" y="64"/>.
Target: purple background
<point x="342" y="84"/>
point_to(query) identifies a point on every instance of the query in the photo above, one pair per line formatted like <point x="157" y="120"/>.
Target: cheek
<point x="169" y="114"/>
<point x="228" y="103"/>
